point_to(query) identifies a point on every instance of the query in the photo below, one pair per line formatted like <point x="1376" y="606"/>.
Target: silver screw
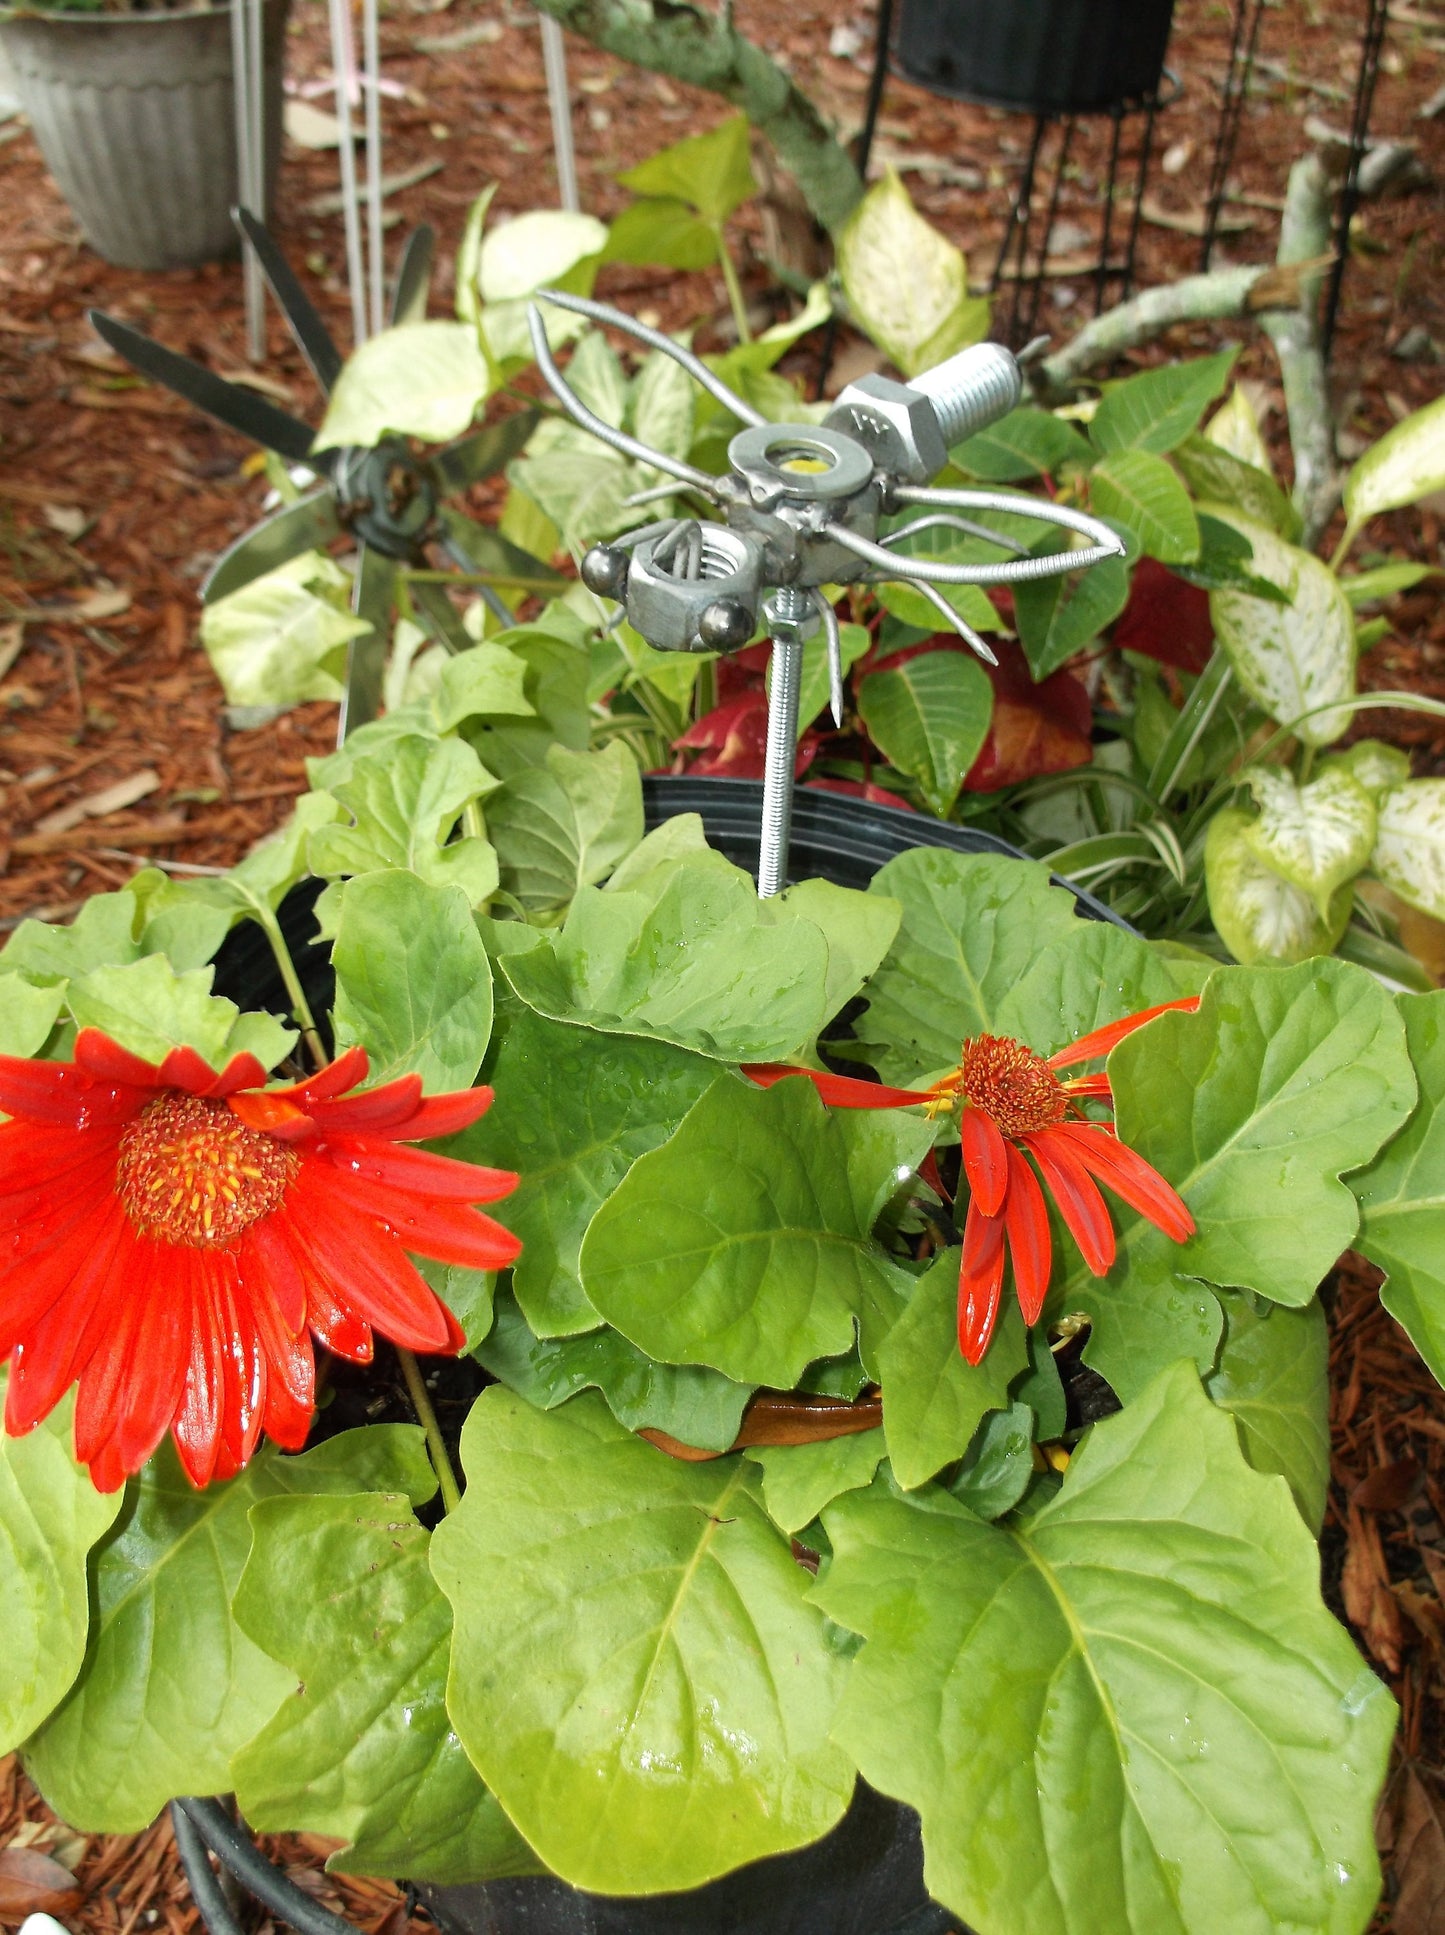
<point x="791" y="617"/>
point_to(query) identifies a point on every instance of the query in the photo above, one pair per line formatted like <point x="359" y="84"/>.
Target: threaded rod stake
<point x="781" y="760"/>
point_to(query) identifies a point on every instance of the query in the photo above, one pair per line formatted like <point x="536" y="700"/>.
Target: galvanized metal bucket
<point x="135" y="116"/>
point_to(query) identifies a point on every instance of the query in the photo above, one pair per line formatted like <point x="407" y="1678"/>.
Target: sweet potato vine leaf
<point x="1133" y="1710"/>
<point x="635" y="1671"/>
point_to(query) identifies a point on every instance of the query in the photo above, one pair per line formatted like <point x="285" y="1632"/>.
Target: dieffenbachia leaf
<point x="1218" y="475"/>
<point x="404" y="802"/>
<point x="1261" y="916"/>
<point x="1318" y="836"/>
<point x="1132" y="1711"/>
<point x="50" y="1516"/>
<point x="1371" y="763"/>
<point x="702" y="963"/>
<point x="972" y="925"/>
<point x="635" y="1672"/>
<point x="1234" y="428"/>
<point x="932" y="1400"/>
<point x="689" y="1402"/>
<point x="574" y="1109"/>
<point x="413" y="983"/>
<point x="1405" y="465"/>
<point x="1295" y="657"/>
<point x="566" y="825"/>
<point x="929" y="717"/>
<point x="799" y="1480"/>
<point x="1273" y="1376"/>
<point x="1409" y="853"/>
<point x="171" y="1687"/>
<point x="339" y="1591"/>
<point x="743" y="1242"/>
<point x="1402" y="1193"/>
<point x="1139" y="489"/>
<point x="906" y="284"/>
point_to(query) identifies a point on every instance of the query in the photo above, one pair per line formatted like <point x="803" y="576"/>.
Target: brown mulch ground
<point x="115" y="499"/>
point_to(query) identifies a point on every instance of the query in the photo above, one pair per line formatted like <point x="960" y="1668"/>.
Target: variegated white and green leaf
<point x="1405" y="465"/>
<point x="1409" y="851"/>
<point x="1318" y="836"/>
<point x="1295" y="658"/>
<point x="1259" y="914"/>
<point x="1235" y="428"/>
<point x="1372" y="764"/>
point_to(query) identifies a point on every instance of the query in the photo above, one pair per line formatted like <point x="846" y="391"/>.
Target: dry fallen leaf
<point x="1370" y="1605"/>
<point x="1387" y="1487"/>
<point x="110" y="799"/>
<point x="32" y="1884"/>
<point x="1420" y="1862"/>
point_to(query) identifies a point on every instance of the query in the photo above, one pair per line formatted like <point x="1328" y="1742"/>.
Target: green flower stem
<point x="472" y="824"/>
<point x="426" y="1417"/>
<point x="734" y="287"/>
<point x="300" y="1006"/>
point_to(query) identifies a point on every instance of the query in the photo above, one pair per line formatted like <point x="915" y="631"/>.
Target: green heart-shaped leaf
<point x="1131" y="1712"/>
<point x="635" y="1673"/>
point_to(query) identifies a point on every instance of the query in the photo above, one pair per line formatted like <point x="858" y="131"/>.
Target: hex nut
<point x="896" y="425"/>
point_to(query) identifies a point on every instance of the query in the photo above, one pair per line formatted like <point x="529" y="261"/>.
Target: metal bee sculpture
<point x="389" y="499"/>
<point x="799" y="507"/>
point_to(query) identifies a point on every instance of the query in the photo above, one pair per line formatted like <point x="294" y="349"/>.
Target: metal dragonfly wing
<point x="387" y="498"/>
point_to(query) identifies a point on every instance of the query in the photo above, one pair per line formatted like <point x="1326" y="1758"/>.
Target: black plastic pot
<point x="836" y="836"/>
<point x="1043" y="56"/>
<point x="865" y="1878"/>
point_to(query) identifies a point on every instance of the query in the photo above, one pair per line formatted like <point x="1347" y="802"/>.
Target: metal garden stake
<point x="800" y="506"/>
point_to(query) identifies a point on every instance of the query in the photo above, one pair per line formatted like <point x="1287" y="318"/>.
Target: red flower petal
<point x="60" y="1092"/>
<point x="1103" y="1039"/>
<point x="184" y="1069"/>
<point x="1129" y="1176"/>
<point x="350" y="1068"/>
<point x="1031" y="1249"/>
<point x="370" y="1108"/>
<point x="448" y="1114"/>
<point x="268" y="1260"/>
<point x="980" y="1281"/>
<point x="197" y="1424"/>
<point x="106" y="1061"/>
<point x="985" y="1159"/>
<point x="45" y="1363"/>
<point x="839" y="1091"/>
<point x="381" y="1281"/>
<point x="273" y="1112"/>
<point x="417" y="1172"/>
<point x="449" y="1232"/>
<point x="1080" y="1204"/>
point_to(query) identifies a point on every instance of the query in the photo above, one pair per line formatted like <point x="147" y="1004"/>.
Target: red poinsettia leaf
<point x="1166" y="619"/>
<point x="736" y="735"/>
<point x="1044" y="728"/>
<point x="862" y="789"/>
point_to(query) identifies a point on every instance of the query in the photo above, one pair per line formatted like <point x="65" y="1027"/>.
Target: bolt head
<point x="725" y="625"/>
<point x="604" y="571"/>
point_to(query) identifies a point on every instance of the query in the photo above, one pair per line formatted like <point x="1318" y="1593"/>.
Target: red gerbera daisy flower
<point x="172" y="1238"/>
<point x="1012" y="1105"/>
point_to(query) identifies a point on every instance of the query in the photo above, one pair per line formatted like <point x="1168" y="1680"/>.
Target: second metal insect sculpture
<point x="798" y="508"/>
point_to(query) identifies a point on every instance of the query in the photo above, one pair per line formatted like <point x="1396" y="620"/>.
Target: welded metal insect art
<point x="799" y="508"/>
<point x="389" y="499"/>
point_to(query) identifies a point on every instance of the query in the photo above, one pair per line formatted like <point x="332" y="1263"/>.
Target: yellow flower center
<point x="1012" y="1084"/>
<point x="190" y="1173"/>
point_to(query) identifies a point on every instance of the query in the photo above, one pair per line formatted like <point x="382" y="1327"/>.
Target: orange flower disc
<point x="1011" y="1085"/>
<point x="190" y="1172"/>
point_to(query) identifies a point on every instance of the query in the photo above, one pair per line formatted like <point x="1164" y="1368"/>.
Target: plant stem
<point x="291" y="981"/>
<point x="426" y="1417"/>
<point x="734" y="287"/>
<point x="472" y="821"/>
